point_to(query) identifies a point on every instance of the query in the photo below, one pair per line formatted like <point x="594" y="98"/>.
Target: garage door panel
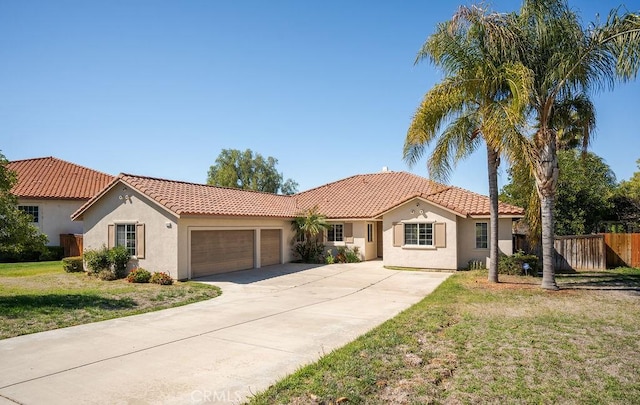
<point x="270" y="247"/>
<point x="216" y="251"/>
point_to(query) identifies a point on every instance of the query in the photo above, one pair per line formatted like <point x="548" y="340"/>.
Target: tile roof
<point x="369" y="195"/>
<point x="183" y="198"/>
<point x="360" y="196"/>
<point x="52" y="178"/>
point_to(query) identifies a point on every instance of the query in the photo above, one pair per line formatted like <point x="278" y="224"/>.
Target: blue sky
<point x="158" y="88"/>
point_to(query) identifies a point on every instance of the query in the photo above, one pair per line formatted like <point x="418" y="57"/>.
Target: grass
<point x="475" y="342"/>
<point x="36" y="297"/>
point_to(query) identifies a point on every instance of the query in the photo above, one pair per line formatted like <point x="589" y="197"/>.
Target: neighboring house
<point x="51" y="190"/>
<point x="192" y="230"/>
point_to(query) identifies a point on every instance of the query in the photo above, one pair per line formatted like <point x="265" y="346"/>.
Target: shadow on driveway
<point x="261" y="274"/>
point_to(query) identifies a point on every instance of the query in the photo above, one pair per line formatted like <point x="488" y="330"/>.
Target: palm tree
<point x="482" y="97"/>
<point x="567" y="62"/>
<point x="307" y="226"/>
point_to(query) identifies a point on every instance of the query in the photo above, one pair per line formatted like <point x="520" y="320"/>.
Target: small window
<point x="418" y="234"/>
<point x="335" y="233"/>
<point x="30" y="210"/>
<point x="482" y="235"/>
<point x="369" y="233"/>
<point x="126" y="236"/>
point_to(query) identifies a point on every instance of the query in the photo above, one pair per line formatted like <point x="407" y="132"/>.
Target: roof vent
<point x="385" y="169"/>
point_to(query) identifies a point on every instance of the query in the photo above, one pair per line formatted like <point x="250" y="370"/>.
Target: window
<point x="369" y="233"/>
<point x="482" y="235"/>
<point x="126" y="236"/>
<point x="418" y="234"/>
<point x="335" y="233"/>
<point x="30" y="210"/>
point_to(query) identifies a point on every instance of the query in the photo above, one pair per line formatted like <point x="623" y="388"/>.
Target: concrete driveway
<point x="267" y="323"/>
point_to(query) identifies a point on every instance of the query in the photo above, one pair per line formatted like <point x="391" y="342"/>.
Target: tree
<point x="568" y="62"/>
<point x="17" y="234"/>
<point x="626" y="202"/>
<point x="479" y="99"/>
<point x="244" y="170"/>
<point x="307" y="226"/>
<point x="585" y="189"/>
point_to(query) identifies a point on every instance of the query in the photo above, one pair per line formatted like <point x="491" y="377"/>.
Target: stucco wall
<point x="187" y="225"/>
<point x="161" y="230"/>
<point x="467" y="240"/>
<point x="420" y="257"/>
<point x="359" y="239"/>
<point x="54" y="217"/>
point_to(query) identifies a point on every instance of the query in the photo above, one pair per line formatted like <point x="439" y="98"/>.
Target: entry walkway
<point x="266" y="324"/>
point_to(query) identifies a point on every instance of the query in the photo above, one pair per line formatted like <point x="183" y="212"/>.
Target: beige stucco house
<point x="192" y="230"/>
<point x="52" y="189"/>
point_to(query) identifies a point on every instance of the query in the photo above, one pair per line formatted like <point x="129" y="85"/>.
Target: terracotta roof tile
<point x="369" y="195"/>
<point x="361" y="196"/>
<point x="185" y="198"/>
<point x="52" y="178"/>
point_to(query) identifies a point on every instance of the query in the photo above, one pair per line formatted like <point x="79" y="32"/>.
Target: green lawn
<point x="35" y="297"/>
<point x="472" y="342"/>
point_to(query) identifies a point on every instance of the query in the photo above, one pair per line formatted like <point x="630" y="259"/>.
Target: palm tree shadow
<point x="600" y="281"/>
<point x="40" y="303"/>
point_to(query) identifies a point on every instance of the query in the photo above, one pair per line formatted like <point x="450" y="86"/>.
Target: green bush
<point x="513" y="264"/>
<point x="51" y="253"/>
<point x="346" y="255"/>
<point x="119" y="258"/>
<point x="72" y="264"/>
<point x="161" y="278"/>
<point x="139" y="275"/>
<point x="114" y="260"/>
<point x="310" y="252"/>
<point x="97" y="259"/>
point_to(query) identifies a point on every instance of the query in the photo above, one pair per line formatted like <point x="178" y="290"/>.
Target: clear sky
<point x="158" y="88"/>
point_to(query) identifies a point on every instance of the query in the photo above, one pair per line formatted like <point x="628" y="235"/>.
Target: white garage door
<point x="214" y="252"/>
<point x="270" y="247"/>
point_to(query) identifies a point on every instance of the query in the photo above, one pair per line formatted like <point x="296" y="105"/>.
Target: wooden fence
<point x="623" y="249"/>
<point x="592" y="252"/>
<point x="72" y="244"/>
<point x="584" y="252"/>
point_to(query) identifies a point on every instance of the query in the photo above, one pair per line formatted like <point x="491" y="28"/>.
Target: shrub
<point x="119" y="258"/>
<point x="310" y="252"/>
<point x="72" y="264"/>
<point x="346" y="255"/>
<point x="97" y="259"/>
<point x="51" y="253"/>
<point x="514" y="264"/>
<point x="139" y="275"/>
<point x="106" y="275"/>
<point x="329" y="259"/>
<point x="161" y="278"/>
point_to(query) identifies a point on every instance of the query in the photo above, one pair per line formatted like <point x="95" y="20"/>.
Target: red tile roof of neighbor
<point x="52" y="178"/>
<point x="361" y="196"/>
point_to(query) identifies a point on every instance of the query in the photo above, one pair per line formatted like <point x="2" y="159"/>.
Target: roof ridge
<point x="55" y="159"/>
<point x="121" y="175"/>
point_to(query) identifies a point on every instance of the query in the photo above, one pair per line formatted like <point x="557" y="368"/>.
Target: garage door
<point x="270" y="247"/>
<point x="214" y="252"/>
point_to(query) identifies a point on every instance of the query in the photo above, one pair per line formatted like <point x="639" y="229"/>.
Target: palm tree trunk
<point x="546" y="173"/>
<point x="493" y="161"/>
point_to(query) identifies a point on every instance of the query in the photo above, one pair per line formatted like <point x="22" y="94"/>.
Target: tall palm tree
<point x="482" y="97"/>
<point x="567" y="61"/>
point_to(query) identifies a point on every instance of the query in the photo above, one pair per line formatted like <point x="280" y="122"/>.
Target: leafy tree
<point x="244" y="170"/>
<point x="626" y="202"/>
<point x="585" y="189"/>
<point x="17" y="235"/>
<point x="568" y="62"/>
<point x="480" y="99"/>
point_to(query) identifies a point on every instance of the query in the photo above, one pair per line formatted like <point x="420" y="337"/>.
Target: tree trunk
<point x="493" y="161"/>
<point x="546" y="173"/>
